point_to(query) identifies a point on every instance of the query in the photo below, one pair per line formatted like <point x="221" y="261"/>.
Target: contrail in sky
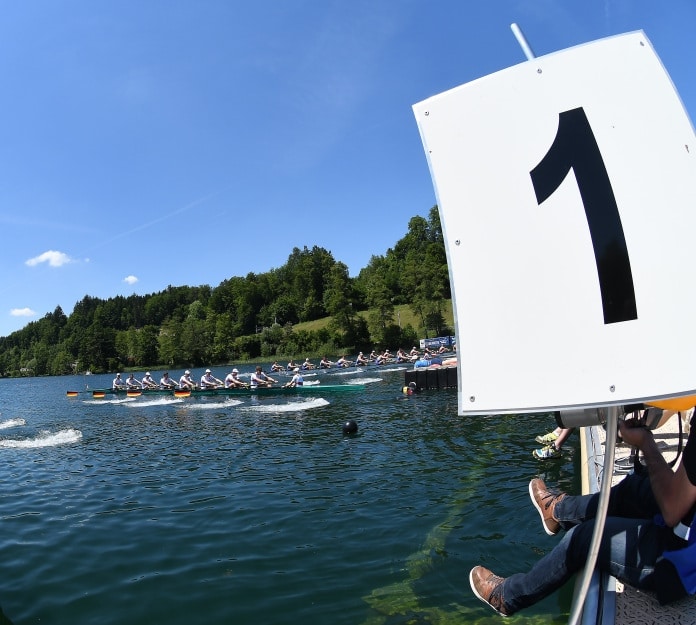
<point x="154" y="222"/>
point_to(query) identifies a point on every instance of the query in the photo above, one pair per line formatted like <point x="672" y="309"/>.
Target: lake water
<point x="260" y="510"/>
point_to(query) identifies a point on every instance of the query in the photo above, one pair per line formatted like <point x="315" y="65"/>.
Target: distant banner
<point x="441" y="341"/>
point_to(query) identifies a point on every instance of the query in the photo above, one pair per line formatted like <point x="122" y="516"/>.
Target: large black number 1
<point x="575" y="147"/>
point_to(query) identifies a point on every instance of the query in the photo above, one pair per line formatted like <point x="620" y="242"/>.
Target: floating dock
<point x="432" y="378"/>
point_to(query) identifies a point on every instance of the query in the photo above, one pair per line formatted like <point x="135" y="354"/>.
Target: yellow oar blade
<point x="98" y="394"/>
<point x="134" y="393"/>
<point x="674" y="403"/>
<point x="182" y="393"/>
<point x="72" y="393"/>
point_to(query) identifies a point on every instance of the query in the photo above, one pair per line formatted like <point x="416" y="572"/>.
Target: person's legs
<point x="630" y="544"/>
<point x="631" y="498"/>
<point x="546" y="439"/>
<point x="628" y="550"/>
<point x="562" y="437"/>
<point x="552" y="448"/>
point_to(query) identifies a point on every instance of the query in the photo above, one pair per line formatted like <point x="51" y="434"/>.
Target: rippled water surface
<point x="260" y="510"/>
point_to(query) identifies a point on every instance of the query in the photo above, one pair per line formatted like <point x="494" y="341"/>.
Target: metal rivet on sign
<point x="472" y="399"/>
<point x="612" y="388"/>
<point x="539" y="71"/>
<point x="457" y="242"/>
<point x="427" y="113"/>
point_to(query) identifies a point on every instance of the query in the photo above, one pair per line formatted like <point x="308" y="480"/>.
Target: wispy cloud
<point x="130" y="279"/>
<point x="53" y="258"/>
<point x="22" y="312"/>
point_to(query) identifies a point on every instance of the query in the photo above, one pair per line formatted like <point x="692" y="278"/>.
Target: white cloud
<point x="130" y="279"/>
<point x="22" y="312"/>
<point x="54" y="259"/>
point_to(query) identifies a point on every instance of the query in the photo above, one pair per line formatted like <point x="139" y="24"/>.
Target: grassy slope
<point x="402" y="312"/>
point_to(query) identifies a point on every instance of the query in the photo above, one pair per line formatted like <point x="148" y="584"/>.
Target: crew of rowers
<point x="260" y="379"/>
<point x="208" y="381"/>
<point x="378" y="358"/>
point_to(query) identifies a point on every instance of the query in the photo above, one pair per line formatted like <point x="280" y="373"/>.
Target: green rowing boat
<point x="270" y="390"/>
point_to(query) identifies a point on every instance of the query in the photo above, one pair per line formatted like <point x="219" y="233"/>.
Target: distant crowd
<point x="260" y="379"/>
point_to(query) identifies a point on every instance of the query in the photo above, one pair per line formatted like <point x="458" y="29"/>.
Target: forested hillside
<point x="246" y="317"/>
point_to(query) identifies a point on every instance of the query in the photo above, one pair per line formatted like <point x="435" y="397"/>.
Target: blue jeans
<point x="631" y="543"/>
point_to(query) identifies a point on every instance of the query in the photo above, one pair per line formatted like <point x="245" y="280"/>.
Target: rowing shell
<point x="271" y="390"/>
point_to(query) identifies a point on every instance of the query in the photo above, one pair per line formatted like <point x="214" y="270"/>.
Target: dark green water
<point x="261" y="511"/>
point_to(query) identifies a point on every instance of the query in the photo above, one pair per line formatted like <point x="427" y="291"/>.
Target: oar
<point x="182" y="393"/>
<point x="76" y="393"/>
<point x="94" y="393"/>
<point x="134" y="393"/>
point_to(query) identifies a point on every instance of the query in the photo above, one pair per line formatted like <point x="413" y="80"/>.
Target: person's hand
<point x="634" y="432"/>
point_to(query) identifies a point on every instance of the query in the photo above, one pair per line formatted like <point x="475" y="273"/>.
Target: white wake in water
<point x="311" y="382"/>
<point x="162" y="401"/>
<point x="216" y="405"/>
<point x="364" y="380"/>
<point x="110" y="402"/>
<point x="295" y="406"/>
<point x="45" y="439"/>
<point x="11" y="423"/>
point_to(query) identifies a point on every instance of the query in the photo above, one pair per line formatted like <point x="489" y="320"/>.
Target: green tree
<point x="381" y="316"/>
<point x="98" y="345"/>
<point x="126" y="342"/>
<point x="168" y="339"/>
<point x="271" y="340"/>
<point x="196" y="335"/>
<point x="61" y="363"/>
<point x="337" y="298"/>
<point x="146" y="348"/>
<point x="303" y="280"/>
<point x="223" y="340"/>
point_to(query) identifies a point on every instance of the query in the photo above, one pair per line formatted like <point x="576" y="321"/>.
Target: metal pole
<point x="600" y="517"/>
<point x="522" y="41"/>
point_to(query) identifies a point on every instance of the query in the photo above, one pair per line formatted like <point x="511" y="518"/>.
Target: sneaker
<point x="546" y="438"/>
<point x="488" y="587"/>
<point x="547" y="452"/>
<point x="545" y="503"/>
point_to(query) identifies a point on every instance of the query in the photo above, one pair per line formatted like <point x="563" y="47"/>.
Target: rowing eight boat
<point x="271" y="390"/>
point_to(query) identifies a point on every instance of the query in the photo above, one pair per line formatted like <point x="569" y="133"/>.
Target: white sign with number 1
<point x="567" y="193"/>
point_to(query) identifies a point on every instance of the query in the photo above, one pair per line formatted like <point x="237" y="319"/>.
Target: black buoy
<point x="350" y="427"/>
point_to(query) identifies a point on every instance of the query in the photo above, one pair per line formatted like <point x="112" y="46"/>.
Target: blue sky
<point x="148" y="143"/>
